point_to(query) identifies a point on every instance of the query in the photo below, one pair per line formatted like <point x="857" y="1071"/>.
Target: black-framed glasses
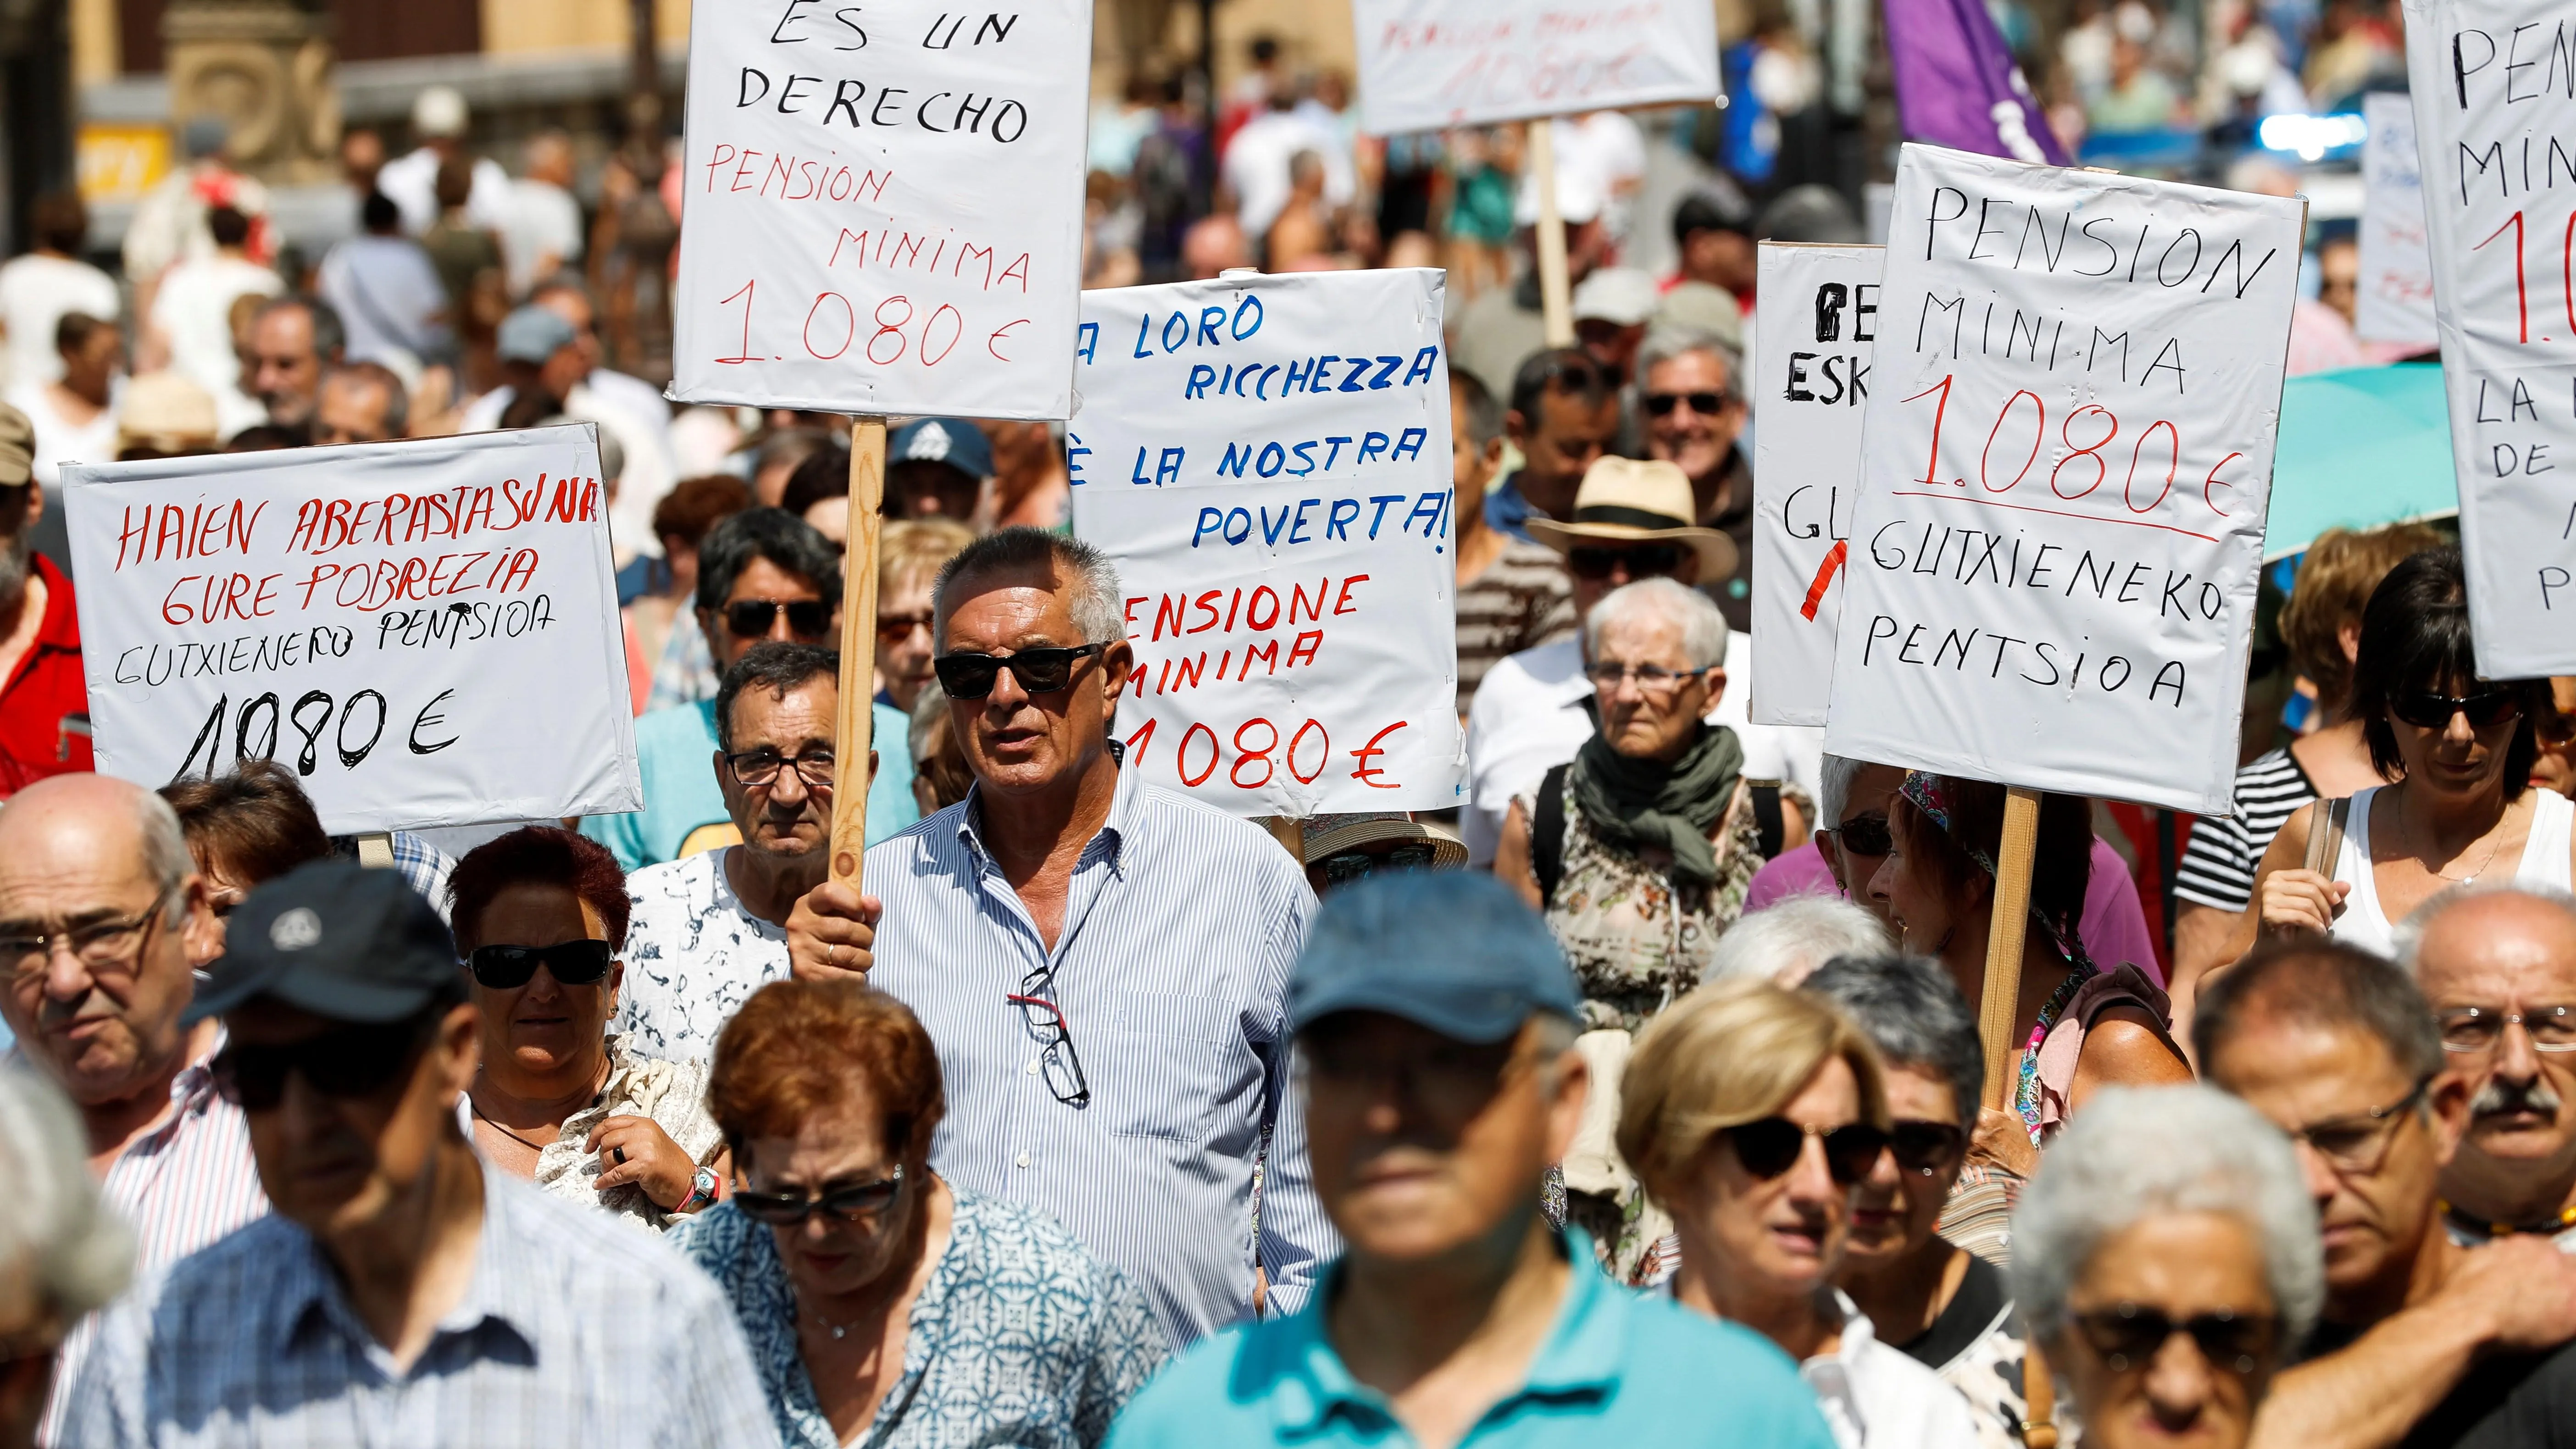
<point x="1644" y="561"/>
<point x="760" y="767"/>
<point x="1770" y="1147"/>
<point x="1607" y="675"/>
<point x="751" y="618"/>
<point x="1706" y="404"/>
<point x="2470" y="1029"/>
<point x="850" y="1202"/>
<point x="2129" y="1335"/>
<point x="1039" y="671"/>
<point x="97" y="945"/>
<point x="1353" y="865"/>
<point x="572" y="963"/>
<point x="360" y="1060"/>
<point x="1865" y="834"/>
<point x="2429" y="711"/>
<point x="1060" y="1063"/>
<point x="1926" y="1148"/>
<point x="2358" y="1142"/>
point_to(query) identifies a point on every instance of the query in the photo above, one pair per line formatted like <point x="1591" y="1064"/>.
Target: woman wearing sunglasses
<point x="2460" y="750"/>
<point x="539" y="915"/>
<point x="881" y="1304"/>
<point x="2168" y="1259"/>
<point x="1753" y="1114"/>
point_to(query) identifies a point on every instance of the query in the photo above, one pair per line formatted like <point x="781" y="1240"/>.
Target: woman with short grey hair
<point x="2168" y="1242"/>
<point x="62" y="1254"/>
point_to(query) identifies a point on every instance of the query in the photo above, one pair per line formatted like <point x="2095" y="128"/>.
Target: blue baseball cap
<point x="1452" y="951"/>
<point x="336" y="939"/>
<point x="532" y="334"/>
<point x="953" y="441"/>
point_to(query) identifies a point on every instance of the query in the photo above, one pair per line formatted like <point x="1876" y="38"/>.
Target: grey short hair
<point x="2135" y="1153"/>
<point x="1703" y="627"/>
<point x="165" y="847"/>
<point x="397" y="401"/>
<point x="1834" y="776"/>
<point x="2408" y="934"/>
<point x="76" y="1250"/>
<point x="1668" y="341"/>
<point x="1793" y="938"/>
<point x="1912" y="1011"/>
<point x="1095" y="600"/>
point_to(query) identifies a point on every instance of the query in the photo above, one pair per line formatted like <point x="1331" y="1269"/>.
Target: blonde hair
<point x="1731" y="1052"/>
<point x="2335" y="580"/>
<point x="910" y="552"/>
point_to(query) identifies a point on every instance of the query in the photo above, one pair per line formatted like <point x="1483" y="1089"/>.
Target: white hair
<point x="1092" y="596"/>
<point x="1788" y="940"/>
<point x="2135" y="1153"/>
<point x="1834" y="778"/>
<point x="1703" y="627"/>
<point x="57" y="1232"/>
<point x="2408" y="934"/>
<point x="165" y="846"/>
<point x="1668" y="340"/>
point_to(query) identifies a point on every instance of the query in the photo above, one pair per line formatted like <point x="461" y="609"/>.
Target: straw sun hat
<point x="1624" y="500"/>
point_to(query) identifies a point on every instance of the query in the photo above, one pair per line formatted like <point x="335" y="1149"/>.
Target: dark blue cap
<point x="336" y="939"/>
<point x="1453" y="951"/>
<point x="952" y="441"/>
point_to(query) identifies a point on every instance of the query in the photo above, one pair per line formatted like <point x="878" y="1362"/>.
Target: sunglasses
<point x="1925" y="1148"/>
<point x="1706" y="404"/>
<point x="1582" y="377"/>
<point x="849" y="1204"/>
<point x="2429" y="711"/>
<point x="750" y="618"/>
<point x="1865" y="835"/>
<point x="2129" y="1335"/>
<point x="1650" y="560"/>
<point x="573" y="963"/>
<point x="1771" y="1146"/>
<point x="1039" y="671"/>
<point x="1353" y="865"/>
<point x="346" y="1062"/>
<point x="896" y="628"/>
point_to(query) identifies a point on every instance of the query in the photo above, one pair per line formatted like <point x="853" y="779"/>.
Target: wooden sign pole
<point x="1996" y="1013"/>
<point x="1555" y="292"/>
<point x="858" y="651"/>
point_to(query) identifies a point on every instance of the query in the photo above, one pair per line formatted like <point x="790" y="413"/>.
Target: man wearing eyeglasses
<point x="2499" y="967"/>
<point x="1102" y="962"/>
<point x="2421" y="1340"/>
<point x="764" y="576"/>
<point x="99" y="905"/>
<point x="1688" y="386"/>
<point x="401" y="1292"/>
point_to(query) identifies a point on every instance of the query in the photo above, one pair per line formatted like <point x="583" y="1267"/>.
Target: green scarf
<point x="1645" y="802"/>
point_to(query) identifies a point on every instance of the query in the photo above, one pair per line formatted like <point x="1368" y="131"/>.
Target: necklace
<point x="2497" y="830"/>
<point x="838" y="1331"/>
<point x="534" y="1147"/>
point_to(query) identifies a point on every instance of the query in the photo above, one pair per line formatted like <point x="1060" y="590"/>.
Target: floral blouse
<point x="1020" y="1338"/>
<point x="672" y="1094"/>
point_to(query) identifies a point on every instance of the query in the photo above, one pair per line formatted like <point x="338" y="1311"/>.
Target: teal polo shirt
<point x="1620" y="1370"/>
<point x="675" y="752"/>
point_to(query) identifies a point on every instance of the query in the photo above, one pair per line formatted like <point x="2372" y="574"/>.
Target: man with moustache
<point x="44" y="701"/>
<point x="2499" y="967"/>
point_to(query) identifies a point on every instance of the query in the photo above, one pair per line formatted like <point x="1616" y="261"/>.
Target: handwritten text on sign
<point x="1818" y="321"/>
<point x="883" y="207"/>
<point x="1267" y="458"/>
<point x="2064" y="474"/>
<point x="2394" y="302"/>
<point x="2495" y="119"/>
<point x="1426" y="64"/>
<point x="425" y="632"/>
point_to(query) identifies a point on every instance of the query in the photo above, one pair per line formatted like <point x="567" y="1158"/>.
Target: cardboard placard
<point x="1816" y="320"/>
<point x="1426" y="64"/>
<point x="2394" y="302"/>
<point x="2064" y="474"/>
<point x="426" y="632"/>
<point x="1267" y="460"/>
<point x="2495" y="130"/>
<point x="882" y="208"/>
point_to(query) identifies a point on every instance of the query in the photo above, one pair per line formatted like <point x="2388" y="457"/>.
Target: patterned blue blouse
<point x="1021" y="1338"/>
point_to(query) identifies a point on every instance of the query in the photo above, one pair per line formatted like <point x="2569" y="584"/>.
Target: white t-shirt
<point x="693" y="956"/>
<point x="1257" y="163"/>
<point x="194" y="310"/>
<point x="35" y="292"/>
<point x="58" y="441"/>
<point x="543" y="218"/>
<point x="411" y="184"/>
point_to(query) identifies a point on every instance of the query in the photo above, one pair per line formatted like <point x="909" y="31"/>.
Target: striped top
<point x="2218" y="866"/>
<point x="187" y="1182"/>
<point x="1522" y="599"/>
<point x="1181" y="924"/>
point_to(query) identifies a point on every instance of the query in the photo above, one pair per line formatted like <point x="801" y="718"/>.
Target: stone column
<point x="264" y="66"/>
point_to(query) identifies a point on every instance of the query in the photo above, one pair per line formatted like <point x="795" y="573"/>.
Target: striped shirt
<point x="2218" y="866"/>
<point x="186" y="1182"/>
<point x="1181" y="924"/>
<point x="1522" y="599"/>
<point x="571" y="1331"/>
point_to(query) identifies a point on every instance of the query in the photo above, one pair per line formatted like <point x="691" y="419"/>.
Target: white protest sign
<point x="2064" y="472"/>
<point x="1815" y="322"/>
<point x="425" y="632"/>
<point x="1267" y="460"/>
<point x="2394" y="302"/>
<point x="1428" y="64"/>
<point x="2496" y="131"/>
<point x="882" y="207"/>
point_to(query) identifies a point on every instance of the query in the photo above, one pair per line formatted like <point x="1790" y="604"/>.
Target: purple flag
<point x="1957" y="84"/>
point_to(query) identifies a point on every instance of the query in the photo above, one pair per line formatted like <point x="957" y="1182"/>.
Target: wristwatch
<point x="702" y="1190"/>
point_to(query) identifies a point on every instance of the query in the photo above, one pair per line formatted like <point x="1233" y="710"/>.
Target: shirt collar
<point x="61" y="626"/>
<point x="1109" y="843"/>
<point x="504" y="1291"/>
<point x="1832" y="1376"/>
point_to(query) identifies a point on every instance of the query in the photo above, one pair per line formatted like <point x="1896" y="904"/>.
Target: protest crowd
<point x="1649" y="1092"/>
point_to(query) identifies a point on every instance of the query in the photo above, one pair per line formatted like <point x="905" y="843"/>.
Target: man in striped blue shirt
<point x="1103" y="963"/>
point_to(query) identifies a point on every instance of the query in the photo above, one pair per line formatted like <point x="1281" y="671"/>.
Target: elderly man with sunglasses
<point x="402" y="1293"/>
<point x="2421" y="1340"/>
<point x="1103" y="963"/>
<point x="99" y="903"/>
<point x="1688" y="387"/>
